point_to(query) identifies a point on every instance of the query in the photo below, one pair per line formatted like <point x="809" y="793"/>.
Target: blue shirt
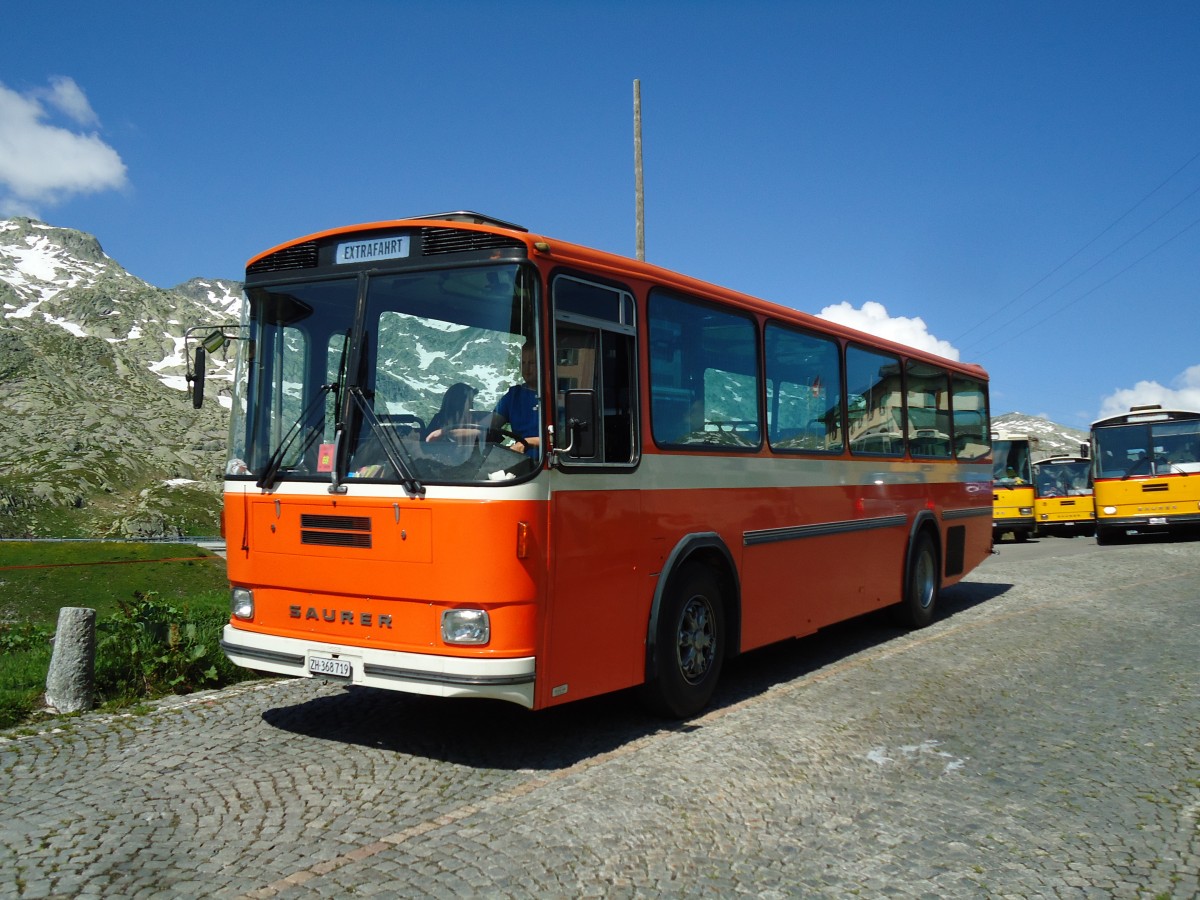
<point x="519" y="406"/>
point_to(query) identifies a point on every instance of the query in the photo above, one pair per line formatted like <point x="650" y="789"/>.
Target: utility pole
<point x="639" y="194"/>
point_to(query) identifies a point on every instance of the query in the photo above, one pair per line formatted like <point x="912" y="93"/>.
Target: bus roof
<point x="620" y="267"/>
<point x="1142" y="414"/>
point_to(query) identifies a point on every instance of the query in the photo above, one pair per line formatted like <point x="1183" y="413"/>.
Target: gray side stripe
<point x="797" y="532"/>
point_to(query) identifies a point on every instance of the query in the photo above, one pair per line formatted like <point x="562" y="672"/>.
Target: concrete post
<point x="71" y="682"/>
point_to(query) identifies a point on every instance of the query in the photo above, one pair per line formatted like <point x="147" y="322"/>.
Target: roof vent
<point x="465" y="215"/>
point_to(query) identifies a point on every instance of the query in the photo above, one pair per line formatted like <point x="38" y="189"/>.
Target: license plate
<point x="1158" y="520"/>
<point x="322" y="665"/>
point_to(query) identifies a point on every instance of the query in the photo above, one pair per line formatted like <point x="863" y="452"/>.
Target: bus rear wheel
<point x="689" y="644"/>
<point x="921" y="585"/>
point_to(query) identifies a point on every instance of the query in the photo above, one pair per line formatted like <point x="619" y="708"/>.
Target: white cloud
<point x="44" y="163"/>
<point x="68" y="98"/>
<point x="1185" y="394"/>
<point x="873" y="318"/>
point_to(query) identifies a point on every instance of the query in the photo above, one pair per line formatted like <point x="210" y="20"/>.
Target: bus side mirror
<point x="580" y="410"/>
<point x="1085" y="450"/>
<point x="198" y="379"/>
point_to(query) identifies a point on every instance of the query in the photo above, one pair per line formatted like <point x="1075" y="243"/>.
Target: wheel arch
<point x="925" y="522"/>
<point x="711" y="550"/>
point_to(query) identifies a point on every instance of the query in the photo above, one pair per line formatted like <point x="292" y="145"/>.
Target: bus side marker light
<point x="241" y="603"/>
<point x="522" y="540"/>
<point x="466" y="626"/>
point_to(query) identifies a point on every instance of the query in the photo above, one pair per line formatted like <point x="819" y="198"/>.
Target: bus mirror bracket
<point x="210" y="343"/>
<point x="580" y="414"/>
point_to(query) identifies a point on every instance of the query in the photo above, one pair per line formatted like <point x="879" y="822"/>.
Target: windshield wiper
<point x="267" y="480"/>
<point x="394" y="450"/>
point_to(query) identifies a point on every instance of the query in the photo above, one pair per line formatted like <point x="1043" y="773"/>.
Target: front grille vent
<point x="335" y="531"/>
<point x="1151" y="488"/>
<point x="455" y="240"/>
<point x="298" y="256"/>
<point x="335" y="523"/>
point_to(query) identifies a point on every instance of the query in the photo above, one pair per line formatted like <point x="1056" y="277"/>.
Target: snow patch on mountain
<point x="63" y="278"/>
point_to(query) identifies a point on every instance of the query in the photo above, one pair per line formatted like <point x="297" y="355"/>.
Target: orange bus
<point x="471" y="461"/>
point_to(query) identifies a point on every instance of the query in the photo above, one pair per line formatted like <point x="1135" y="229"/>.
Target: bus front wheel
<point x="689" y="643"/>
<point x="921" y="584"/>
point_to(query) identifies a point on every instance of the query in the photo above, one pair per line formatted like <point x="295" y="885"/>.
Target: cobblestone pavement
<point x="1040" y="739"/>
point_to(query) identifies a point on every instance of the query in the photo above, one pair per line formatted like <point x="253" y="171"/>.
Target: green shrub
<point x="150" y="648"/>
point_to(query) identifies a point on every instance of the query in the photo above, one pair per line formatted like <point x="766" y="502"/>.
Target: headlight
<point x="1027" y="510"/>
<point x="466" y="626"/>
<point x="1110" y="510"/>
<point x="241" y="603"/>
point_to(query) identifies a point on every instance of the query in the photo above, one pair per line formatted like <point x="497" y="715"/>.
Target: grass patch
<point x="160" y="609"/>
<point x="37" y="578"/>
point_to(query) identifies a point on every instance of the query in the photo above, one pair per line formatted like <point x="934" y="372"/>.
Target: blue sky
<point x="1016" y="184"/>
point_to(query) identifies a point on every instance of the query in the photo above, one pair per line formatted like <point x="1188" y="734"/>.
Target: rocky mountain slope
<point x="100" y="439"/>
<point x="1053" y="440"/>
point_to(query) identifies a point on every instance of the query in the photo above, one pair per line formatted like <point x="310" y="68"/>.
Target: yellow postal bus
<point x="1062" y="502"/>
<point x="1012" y="485"/>
<point x="1146" y="472"/>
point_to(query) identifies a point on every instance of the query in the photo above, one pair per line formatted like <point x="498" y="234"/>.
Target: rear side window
<point x="969" y="401"/>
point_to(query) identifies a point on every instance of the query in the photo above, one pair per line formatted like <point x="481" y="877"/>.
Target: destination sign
<point x="367" y="251"/>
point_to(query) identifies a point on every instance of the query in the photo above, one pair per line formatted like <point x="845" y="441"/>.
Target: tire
<point x="921" y="583"/>
<point x="689" y="643"/>
<point x="1108" y="536"/>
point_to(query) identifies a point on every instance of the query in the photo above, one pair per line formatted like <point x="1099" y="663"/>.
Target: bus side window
<point x="969" y="417"/>
<point x="928" y="398"/>
<point x="594" y="340"/>
<point x="709" y="355"/>
<point x="804" y="391"/>
<point x="876" y="406"/>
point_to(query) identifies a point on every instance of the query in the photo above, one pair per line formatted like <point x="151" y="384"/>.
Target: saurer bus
<point x="1062" y="503"/>
<point x="471" y="461"/>
<point x="1012" y="484"/>
<point x="1146" y="469"/>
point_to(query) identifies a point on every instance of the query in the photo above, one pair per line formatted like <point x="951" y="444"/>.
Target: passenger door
<point x="600" y="589"/>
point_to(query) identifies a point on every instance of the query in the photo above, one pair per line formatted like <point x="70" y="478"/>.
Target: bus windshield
<point x="1148" y="448"/>
<point x="1011" y="463"/>
<point x="1063" y="478"/>
<point x="412" y="378"/>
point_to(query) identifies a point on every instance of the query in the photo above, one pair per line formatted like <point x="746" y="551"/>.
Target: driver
<point x="518" y="408"/>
